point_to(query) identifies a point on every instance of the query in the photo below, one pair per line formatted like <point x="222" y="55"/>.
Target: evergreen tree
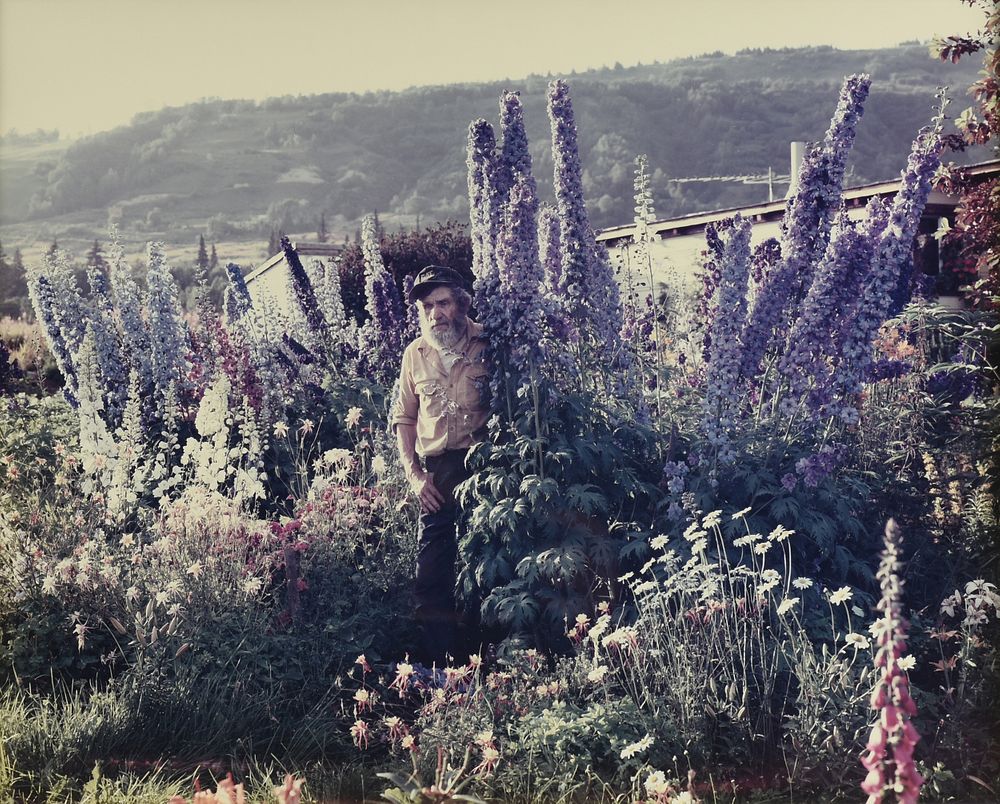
<point x="53" y="248"/>
<point x="273" y="244"/>
<point x="95" y="257"/>
<point x="213" y="260"/>
<point x="202" y="259"/>
<point x="12" y="277"/>
<point x="322" y="235"/>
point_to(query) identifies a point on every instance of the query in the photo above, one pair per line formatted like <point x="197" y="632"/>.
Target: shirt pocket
<point x="475" y="387"/>
<point x="433" y="397"/>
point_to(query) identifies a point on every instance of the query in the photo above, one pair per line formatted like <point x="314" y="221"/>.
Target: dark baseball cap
<point x="433" y="276"/>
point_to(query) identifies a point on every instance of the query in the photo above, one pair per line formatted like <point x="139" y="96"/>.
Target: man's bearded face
<point x="442" y="320"/>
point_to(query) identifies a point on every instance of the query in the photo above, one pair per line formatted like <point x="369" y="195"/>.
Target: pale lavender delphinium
<point x="169" y="342"/>
<point x="107" y="344"/>
<point x="379" y="341"/>
<point x="129" y="304"/>
<point x="721" y="402"/>
<point x="412" y="328"/>
<point x="44" y="303"/>
<point x="483" y="214"/>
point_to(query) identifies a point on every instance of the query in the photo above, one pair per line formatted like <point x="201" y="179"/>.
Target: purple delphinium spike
<point x="805" y="229"/>
<point x="721" y="401"/>
<point x="240" y="300"/>
<point x="711" y="277"/>
<point x="521" y="278"/>
<point x="515" y="158"/>
<point x="593" y="300"/>
<point x="549" y="251"/>
<point x="574" y="232"/>
<point x="805" y="365"/>
<point x="481" y="162"/>
<point x="765" y="256"/>
<point x="891" y="252"/>
<point x="302" y="291"/>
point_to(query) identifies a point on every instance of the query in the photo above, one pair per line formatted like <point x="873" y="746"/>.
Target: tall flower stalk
<point x="521" y="279"/>
<point x="305" y="295"/>
<point x="721" y="402"/>
<point x="379" y="341"/>
<point x="592" y="296"/>
<point x="43" y="300"/>
<point x="168" y="343"/>
<point x="481" y="166"/>
<point x="892" y="774"/>
<point x="114" y="378"/>
<point x="891" y="252"/>
<point x="805" y="229"/>
<point x="550" y="249"/>
<point x="129" y="304"/>
<point x="805" y="365"/>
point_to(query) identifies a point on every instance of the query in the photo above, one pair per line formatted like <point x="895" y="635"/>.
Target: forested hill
<point x="235" y="169"/>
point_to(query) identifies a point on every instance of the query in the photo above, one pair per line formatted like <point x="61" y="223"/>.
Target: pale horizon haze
<point x="83" y="66"/>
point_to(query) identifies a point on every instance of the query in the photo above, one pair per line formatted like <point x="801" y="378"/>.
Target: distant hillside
<point x="235" y="169"/>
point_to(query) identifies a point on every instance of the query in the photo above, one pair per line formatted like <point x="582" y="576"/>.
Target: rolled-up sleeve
<point x="404" y="407"/>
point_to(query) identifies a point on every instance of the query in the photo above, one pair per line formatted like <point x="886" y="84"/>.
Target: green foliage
<point x="552" y="506"/>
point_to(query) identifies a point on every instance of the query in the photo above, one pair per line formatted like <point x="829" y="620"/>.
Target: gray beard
<point x="444" y="338"/>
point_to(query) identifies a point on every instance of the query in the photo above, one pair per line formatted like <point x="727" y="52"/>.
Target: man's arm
<point x="405" y="411"/>
<point x="421" y="482"/>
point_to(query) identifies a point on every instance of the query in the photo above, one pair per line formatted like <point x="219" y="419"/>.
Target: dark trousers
<point x="437" y="550"/>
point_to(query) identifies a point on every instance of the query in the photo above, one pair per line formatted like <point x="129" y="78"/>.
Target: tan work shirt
<point x="445" y="395"/>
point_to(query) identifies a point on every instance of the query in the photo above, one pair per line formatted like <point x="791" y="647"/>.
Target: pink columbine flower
<point x="888" y="756"/>
<point x="404" y="670"/>
<point x="359" y="733"/>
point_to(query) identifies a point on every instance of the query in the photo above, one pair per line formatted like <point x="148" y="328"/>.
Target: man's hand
<point x="423" y="486"/>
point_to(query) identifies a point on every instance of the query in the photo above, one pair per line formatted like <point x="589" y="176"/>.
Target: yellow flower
<point x="280" y="429"/>
<point x="353" y="417"/>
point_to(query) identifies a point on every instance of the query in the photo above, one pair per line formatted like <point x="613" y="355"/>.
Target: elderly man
<point x="440" y="411"/>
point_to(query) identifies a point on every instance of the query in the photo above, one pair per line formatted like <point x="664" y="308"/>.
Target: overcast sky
<point x="88" y="65"/>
